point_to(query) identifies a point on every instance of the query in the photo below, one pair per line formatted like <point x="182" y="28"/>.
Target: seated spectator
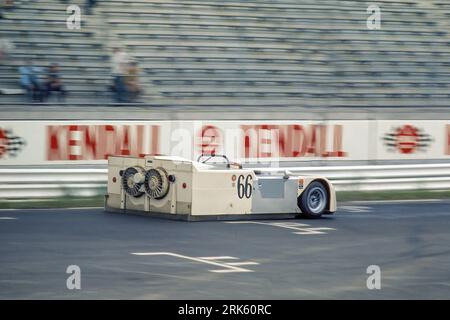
<point x="132" y="80"/>
<point x="6" y="48"/>
<point x="8" y="4"/>
<point x="54" y="82"/>
<point x="89" y="5"/>
<point x="29" y="80"/>
<point x="119" y="66"/>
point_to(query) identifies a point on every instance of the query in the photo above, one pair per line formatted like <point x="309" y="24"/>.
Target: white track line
<point x="243" y="263"/>
<point x="218" y="258"/>
<point x="394" y="201"/>
<point x="226" y="267"/>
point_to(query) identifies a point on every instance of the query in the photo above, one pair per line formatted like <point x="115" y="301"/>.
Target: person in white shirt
<point x="6" y="47"/>
<point x="119" y="68"/>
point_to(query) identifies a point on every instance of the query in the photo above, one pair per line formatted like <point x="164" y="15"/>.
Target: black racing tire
<point x="313" y="202"/>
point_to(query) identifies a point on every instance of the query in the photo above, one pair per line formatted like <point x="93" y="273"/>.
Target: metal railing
<point x="17" y="183"/>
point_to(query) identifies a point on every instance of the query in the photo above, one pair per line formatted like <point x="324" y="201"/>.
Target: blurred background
<point x="258" y="52"/>
<point x="261" y="60"/>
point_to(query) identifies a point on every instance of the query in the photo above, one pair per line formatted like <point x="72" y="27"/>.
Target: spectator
<point x="29" y="80"/>
<point x="6" y="47"/>
<point x="119" y="71"/>
<point x="8" y="3"/>
<point x="54" y="82"/>
<point x="132" y="80"/>
<point x="89" y="5"/>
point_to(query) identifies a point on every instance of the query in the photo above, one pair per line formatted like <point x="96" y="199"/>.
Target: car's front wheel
<point x="313" y="201"/>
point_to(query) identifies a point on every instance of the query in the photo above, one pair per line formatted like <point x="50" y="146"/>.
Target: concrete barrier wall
<point x="268" y="142"/>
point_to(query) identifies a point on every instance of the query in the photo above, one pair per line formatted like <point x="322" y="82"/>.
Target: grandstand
<point x="254" y="52"/>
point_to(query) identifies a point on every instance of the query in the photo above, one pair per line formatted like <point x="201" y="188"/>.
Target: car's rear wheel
<point x="313" y="201"/>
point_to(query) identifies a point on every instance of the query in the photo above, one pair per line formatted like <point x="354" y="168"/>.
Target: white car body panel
<point x="201" y="190"/>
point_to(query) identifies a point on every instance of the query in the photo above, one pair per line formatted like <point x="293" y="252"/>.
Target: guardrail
<point x="381" y="177"/>
<point x="25" y="183"/>
<point x="49" y="182"/>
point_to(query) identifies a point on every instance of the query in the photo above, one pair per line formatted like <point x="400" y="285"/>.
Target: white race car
<point x="193" y="190"/>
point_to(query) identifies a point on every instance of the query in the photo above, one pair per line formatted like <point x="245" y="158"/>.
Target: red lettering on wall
<point x="291" y="141"/>
<point x="90" y="143"/>
<point x="210" y="140"/>
<point x="53" y="148"/>
<point x="73" y="143"/>
<point x="447" y="147"/>
<point x="155" y="140"/>
<point x="125" y="145"/>
<point x="97" y="142"/>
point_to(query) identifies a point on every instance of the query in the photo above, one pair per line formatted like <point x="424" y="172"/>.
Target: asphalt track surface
<point x="410" y="242"/>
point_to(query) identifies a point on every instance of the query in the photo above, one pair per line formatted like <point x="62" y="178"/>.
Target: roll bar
<point x="213" y="155"/>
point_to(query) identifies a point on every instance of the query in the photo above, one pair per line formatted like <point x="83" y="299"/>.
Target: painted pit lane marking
<point x="226" y="267"/>
<point x="300" y="228"/>
<point x="355" y="209"/>
<point x="7" y="218"/>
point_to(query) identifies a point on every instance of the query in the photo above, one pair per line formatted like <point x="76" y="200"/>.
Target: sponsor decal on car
<point x="300" y="183"/>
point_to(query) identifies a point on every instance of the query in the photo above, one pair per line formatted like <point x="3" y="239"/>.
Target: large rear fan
<point x="156" y="183"/>
<point x="132" y="181"/>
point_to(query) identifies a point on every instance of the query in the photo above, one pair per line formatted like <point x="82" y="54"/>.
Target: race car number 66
<point x="244" y="186"/>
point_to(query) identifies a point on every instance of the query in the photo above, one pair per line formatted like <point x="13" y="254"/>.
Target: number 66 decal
<point x="244" y="186"/>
